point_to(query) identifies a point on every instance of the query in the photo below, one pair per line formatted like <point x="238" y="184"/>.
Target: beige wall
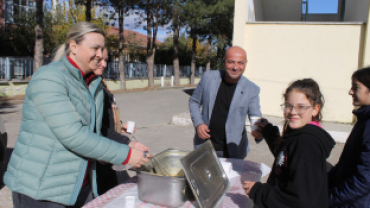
<point x="356" y="11"/>
<point x="281" y="53"/>
<point x="240" y="18"/>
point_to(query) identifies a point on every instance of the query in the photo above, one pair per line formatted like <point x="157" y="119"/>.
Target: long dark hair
<point x="312" y="91"/>
<point x="363" y="76"/>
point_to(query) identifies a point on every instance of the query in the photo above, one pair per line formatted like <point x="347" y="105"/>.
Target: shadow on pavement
<point x="189" y="91"/>
<point x="6" y="105"/>
<point x="4" y="165"/>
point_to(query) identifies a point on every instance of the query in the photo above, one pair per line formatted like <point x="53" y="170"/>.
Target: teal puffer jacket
<point x="57" y="135"/>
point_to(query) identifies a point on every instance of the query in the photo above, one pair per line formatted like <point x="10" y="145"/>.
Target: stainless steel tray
<point x="206" y="176"/>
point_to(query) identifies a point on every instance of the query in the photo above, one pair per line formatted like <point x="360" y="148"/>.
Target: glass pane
<point x="22" y="10"/>
<point x="304" y="8"/>
<point x="16" y="11"/>
<point x="24" y="2"/>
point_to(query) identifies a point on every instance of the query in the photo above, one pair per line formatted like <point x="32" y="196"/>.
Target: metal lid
<point x="205" y="175"/>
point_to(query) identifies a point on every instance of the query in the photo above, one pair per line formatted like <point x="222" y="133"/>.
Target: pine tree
<point x="195" y="12"/>
<point x="157" y="14"/>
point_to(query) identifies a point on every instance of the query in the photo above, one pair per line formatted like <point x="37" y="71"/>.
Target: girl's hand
<point x="262" y="123"/>
<point x="247" y="186"/>
<point x="139" y="146"/>
<point x="124" y="128"/>
<point x="257" y="134"/>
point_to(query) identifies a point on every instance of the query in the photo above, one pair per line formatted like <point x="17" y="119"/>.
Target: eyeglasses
<point x="299" y="109"/>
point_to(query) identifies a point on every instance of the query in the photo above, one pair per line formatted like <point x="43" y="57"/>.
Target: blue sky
<point x="322" y="6"/>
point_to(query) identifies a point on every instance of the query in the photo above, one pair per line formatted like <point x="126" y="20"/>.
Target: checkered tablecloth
<point x="235" y="197"/>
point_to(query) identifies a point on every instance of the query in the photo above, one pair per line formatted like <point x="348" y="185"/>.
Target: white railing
<point x="21" y="68"/>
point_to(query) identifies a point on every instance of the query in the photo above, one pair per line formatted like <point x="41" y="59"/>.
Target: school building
<point x="284" y="43"/>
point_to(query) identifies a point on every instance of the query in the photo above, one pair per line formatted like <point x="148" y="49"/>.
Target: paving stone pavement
<point x="152" y="111"/>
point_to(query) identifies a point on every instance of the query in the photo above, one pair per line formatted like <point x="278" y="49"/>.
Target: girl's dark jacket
<point x="298" y="177"/>
<point x="349" y="180"/>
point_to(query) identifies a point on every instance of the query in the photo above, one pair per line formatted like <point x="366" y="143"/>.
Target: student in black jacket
<point x="107" y="178"/>
<point x="298" y="177"/>
<point x="349" y="180"/>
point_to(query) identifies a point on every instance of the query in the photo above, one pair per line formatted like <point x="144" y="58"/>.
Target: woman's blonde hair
<point x="76" y="33"/>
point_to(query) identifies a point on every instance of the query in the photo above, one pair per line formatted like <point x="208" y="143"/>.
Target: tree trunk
<point x="150" y="62"/>
<point x="208" y="65"/>
<point x="88" y="11"/>
<point x="150" y="46"/>
<point x="176" y="67"/>
<point x="122" y="76"/>
<point x="39" y="35"/>
<point x="193" y="58"/>
<point x="219" y="54"/>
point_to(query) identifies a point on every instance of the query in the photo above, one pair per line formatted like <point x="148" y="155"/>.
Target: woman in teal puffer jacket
<point x="59" y="138"/>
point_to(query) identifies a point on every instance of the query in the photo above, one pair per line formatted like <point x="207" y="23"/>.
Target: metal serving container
<point x="168" y="191"/>
<point x="197" y="174"/>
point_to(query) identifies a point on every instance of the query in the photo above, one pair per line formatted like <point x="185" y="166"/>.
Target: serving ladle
<point x="155" y="170"/>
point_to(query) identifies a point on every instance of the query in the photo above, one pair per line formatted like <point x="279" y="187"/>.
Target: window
<point x="16" y="9"/>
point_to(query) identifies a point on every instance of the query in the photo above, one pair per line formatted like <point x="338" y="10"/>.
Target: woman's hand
<point x="137" y="158"/>
<point x="139" y="146"/>
<point x="257" y="134"/>
<point x="247" y="186"/>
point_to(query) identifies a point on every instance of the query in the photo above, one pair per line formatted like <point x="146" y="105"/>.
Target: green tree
<point x="165" y="51"/>
<point x="218" y="28"/>
<point x="196" y="12"/>
<point x="59" y="18"/>
<point x="157" y="14"/>
<point x="122" y="7"/>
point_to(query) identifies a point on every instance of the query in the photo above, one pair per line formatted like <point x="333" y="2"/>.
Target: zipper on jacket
<point x="84" y="164"/>
<point x="93" y="111"/>
<point x="78" y="186"/>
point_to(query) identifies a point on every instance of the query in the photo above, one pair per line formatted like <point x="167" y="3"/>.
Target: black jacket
<point x="106" y="177"/>
<point x="298" y="177"/>
<point x="349" y="180"/>
<point x="108" y="125"/>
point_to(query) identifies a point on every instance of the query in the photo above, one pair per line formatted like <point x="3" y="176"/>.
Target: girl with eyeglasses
<point x="298" y="177"/>
<point x="349" y="179"/>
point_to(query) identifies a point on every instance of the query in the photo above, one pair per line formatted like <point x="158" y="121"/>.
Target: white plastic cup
<point x="253" y="120"/>
<point x="130" y="202"/>
<point x="130" y="126"/>
<point x="119" y="167"/>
